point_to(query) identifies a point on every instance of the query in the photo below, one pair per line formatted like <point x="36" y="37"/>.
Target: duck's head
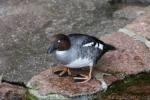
<point x="59" y="42"/>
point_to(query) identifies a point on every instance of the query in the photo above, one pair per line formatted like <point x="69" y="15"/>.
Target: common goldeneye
<point x="77" y="51"/>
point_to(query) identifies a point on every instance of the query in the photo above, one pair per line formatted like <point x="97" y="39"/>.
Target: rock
<point x="145" y="2"/>
<point x="139" y="29"/>
<point x="49" y="85"/>
<point x="131" y="56"/>
<point x="138" y="1"/>
<point x="141" y="26"/>
<point x="126" y="96"/>
<point x="139" y="89"/>
<point x="12" y="92"/>
<point x="134" y="87"/>
<point x="129" y="12"/>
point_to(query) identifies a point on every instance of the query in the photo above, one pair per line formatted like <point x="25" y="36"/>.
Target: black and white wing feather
<point x="90" y="41"/>
<point x="94" y="44"/>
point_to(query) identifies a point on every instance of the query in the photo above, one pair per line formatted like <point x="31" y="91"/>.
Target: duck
<point x="78" y="51"/>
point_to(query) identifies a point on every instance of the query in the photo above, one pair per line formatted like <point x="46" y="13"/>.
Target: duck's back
<point x="81" y="39"/>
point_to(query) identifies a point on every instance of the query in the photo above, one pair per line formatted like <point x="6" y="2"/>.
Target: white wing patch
<point x="100" y="46"/>
<point x="88" y="44"/>
<point x="97" y="45"/>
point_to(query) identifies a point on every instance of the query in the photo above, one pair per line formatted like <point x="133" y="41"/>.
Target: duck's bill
<point x="51" y="49"/>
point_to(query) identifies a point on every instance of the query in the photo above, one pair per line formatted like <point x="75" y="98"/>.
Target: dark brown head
<point x="59" y="42"/>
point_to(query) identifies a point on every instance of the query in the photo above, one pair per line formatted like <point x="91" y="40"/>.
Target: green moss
<point x="122" y="85"/>
<point x="30" y="97"/>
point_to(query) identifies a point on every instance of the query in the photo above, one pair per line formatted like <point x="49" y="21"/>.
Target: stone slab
<point x="131" y="56"/>
<point x="12" y="92"/>
<point x="49" y="83"/>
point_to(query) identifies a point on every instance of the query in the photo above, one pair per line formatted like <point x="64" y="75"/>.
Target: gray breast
<point x="65" y="57"/>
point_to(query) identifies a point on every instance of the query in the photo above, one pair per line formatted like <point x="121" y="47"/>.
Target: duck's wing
<point x="83" y="40"/>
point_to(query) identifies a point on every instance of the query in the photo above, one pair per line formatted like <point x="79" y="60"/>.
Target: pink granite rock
<point x="12" y="92"/>
<point x="131" y="57"/>
<point x="48" y="83"/>
<point x="141" y="26"/>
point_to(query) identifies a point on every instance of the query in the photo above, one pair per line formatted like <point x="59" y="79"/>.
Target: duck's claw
<point x="82" y="78"/>
<point x="65" y="72"/>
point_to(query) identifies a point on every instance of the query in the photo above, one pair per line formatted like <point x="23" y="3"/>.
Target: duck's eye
<point x="58" y="41"/>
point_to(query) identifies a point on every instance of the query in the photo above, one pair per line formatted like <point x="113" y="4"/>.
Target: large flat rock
<point x="49" y="83"/>
<point x="131" y="57"/>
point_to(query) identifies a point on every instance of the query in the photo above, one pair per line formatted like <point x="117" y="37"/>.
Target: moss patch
<point x="121" y="86"/>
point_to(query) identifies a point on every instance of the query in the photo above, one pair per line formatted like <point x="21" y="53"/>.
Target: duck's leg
<point x="84" y="78"/>
<point x="63" y="72"/>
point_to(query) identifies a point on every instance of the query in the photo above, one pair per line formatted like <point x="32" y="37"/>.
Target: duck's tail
<point x="109" y="47"/>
